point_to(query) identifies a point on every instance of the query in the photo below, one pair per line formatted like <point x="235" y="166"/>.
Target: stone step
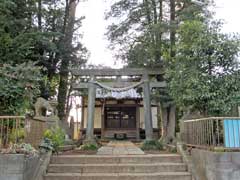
<point x="117" y="168"/>
<point x="119" y="176"/>
<point x="116" y="159"/>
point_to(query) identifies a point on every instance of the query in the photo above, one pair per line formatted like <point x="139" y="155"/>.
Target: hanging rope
<point x="117" y="89"/>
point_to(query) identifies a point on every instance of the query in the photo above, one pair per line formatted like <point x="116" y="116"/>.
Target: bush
<point x="152" y="145"/>
<point x="89" y="147"/>
<point x="56" y="136"/>
<point x="17" y="135"/>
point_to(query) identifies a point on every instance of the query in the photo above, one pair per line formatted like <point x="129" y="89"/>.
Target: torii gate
<point x="91" y="86"/>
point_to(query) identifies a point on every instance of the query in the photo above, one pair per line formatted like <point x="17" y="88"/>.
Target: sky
<point x="94" y="26"/>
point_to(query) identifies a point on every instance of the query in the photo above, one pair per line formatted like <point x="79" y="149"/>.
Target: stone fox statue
<point x="42" y="106"/>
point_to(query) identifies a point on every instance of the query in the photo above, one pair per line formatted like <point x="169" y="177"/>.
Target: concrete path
<point x="120" y="148"/>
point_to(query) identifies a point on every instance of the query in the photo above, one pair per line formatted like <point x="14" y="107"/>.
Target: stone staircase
<point x="117" y="167"/>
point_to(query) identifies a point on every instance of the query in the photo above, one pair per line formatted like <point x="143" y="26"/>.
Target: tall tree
<point x="67" y="47"/>
<point x="19" y="84"/>
<point x="204" y="74"/>
<point x="69" y="56"/>
<point x="19" y="76"/>
<point x="140" y="28"/>
<point x="145" y="33"/>
<point x="36" y="31"/>
<point x="148" y="27"/>
<point x="173" y="29"/>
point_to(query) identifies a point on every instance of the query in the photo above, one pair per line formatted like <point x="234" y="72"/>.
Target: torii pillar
<point x="91" y="110"/>
<point x="147" y="108"/>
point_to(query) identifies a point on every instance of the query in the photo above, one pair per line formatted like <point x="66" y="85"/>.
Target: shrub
<point x="152" y="145"/>
<point x="56" y="135"/>
<point x="89" y="147"/>
<point x="17" y="135"/>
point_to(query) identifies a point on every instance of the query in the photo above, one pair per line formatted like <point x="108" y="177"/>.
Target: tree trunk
<point x="158" y="17"/>
<point x="69" y="100"/>
<point x="168" y="123"/>
<point x="171" y="123"/>
<point x="67" y="48"/>
<point x="160" y="11"/>
<point x="39" y="14"/>
<point x="148" y="12"/>
<point x="157" y="40"/>
<point x="159" y="117"/>
<point x="172" y="28"/>
<point x="155" y="16"/>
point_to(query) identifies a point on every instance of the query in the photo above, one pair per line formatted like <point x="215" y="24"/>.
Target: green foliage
<point x="17" y="135"/>
<point x="18" y="36"/>
<point x="18" y="86"/>
<point x="32" y="36"/>
<point x="146" y="31"/>
<point x="56" y="135"/>
<point x="152" y="145"/>
<point x="89" y="147"/>
<point x="204" y="74"/>
<point x="140" y="34"/>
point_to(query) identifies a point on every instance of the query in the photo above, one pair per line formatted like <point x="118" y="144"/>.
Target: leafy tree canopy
<point x="18" y="86"/>
<point x="200" y="62"/>
<point x="33" y="33"/>
<point x="140" y="32"/>
<point x="205" y="74"/>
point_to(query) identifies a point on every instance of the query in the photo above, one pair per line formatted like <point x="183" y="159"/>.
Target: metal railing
<point x="12" y="130"/>
<point x="212" y="132"/>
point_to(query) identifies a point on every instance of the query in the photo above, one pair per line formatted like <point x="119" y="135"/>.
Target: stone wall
<point x="11" y="167"/>
<point x="34" y="134"/>
<point x="17" y="167"/>
<point x="22" y="167"/>
<point x="209" y="165"/>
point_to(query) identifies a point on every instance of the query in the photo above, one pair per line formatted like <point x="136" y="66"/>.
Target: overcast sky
<point x="94" y="26"/>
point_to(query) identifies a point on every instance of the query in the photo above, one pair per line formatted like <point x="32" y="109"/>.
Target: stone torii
<point x="91" y="86"/>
